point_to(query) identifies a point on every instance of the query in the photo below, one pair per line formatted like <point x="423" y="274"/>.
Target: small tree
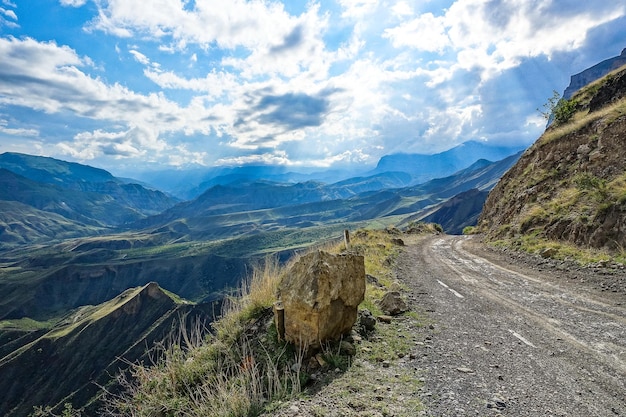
<point x="558" y="109"/>
<point x="550" y="106"/>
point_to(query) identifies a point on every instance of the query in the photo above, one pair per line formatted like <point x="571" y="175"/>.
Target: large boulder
<point x="320" y="295"/>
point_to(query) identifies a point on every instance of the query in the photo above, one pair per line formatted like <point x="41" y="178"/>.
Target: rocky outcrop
<point x="571" y="184"/>
<point x="320" y="295"/>
<point x="596" y="72"/>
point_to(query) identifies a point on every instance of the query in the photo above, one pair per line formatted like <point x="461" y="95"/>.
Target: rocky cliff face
<point x="570" y="186"/>
<point x="598" y="71"/>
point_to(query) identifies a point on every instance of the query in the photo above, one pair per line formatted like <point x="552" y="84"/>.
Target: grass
<point x="26" y="324"/>
<point x="583" y="118"/>
<point x="235" y="371"/>
<point x="533" y="243"/>
<point x="241" y="369"/>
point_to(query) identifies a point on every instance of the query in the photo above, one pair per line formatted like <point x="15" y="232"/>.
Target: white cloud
<point x="250" y="24"/>
<point x="139" y="57"/>
<point x="358" y="8"/>
<point x="73" y="3"/>
<point x="8" y="13"/>
<point x="426" y="33"/>
<point x="17" y="131"/>
<point x="497" y="35"/>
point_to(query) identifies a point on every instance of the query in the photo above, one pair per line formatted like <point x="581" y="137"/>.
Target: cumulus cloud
<point x="496" y="35"/>
<point x="247" y="81"/>
<point x="426" y="33"/>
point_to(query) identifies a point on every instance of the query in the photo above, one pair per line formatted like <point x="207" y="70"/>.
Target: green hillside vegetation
<point x="68" y="362"/>
<point x="22" y="224"/>
<point x="224" y="212"/>
<point x="82" y="194"/>
<point x="566" y="197"/>
<point x="201" y="255"/>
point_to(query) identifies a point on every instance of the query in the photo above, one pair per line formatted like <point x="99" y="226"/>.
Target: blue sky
<point x="128" y="85"/>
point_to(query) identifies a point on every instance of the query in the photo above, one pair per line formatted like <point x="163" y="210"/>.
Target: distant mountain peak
<point x="424" y="167"/>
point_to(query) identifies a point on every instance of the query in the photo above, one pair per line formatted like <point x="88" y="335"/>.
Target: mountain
<point x="423" y="167"/>
<point x="392" y="171"/>
<point x="460" y="211"/>
<point x="71" y="361"/>
<point x="48" y="281"/>
<point x="189" y="184"/>
<point x="53" y="171"/>
<point x="83" y="194"/>
<point x="569" y="187"/>
<point x="21" y="224"/>
<point x="593" y="73"/>
<point x="253" y="208"/>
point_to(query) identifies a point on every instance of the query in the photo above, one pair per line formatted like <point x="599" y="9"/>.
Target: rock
<point x="320" y="295"/>
<point x="320" y="360"/>
<point x="347" y="348"/>
<point x="367" y="322"/>
<point x="548" y="252"/>
<point x="393" y="304"/>
<point x="497" y="402"/>
<point x="397" y="241"/>
<point x="314" y="364"/>
<point x="465" y="370"/>
<point x="384" y="319"/>
<point x="583" y="150"/>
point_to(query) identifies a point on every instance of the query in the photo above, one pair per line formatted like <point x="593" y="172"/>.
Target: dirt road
<point x="509" y="339"/>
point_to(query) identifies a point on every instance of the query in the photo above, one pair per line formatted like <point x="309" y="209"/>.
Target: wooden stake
<point x="279" y="320"/>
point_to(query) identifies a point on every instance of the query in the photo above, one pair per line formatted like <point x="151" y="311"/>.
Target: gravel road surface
<point x="515" y="336"/>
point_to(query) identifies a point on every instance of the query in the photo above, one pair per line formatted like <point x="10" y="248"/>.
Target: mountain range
<point x="93" y="267"/>
<point x="73" y="238"/>
<point x="392" y="171"/>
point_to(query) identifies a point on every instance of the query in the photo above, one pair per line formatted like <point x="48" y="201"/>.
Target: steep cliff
<point x="591" y="74"/>
<point x="570" y="186"/>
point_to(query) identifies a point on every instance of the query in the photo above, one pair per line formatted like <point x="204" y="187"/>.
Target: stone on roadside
<point x="320" y="295"/>
<point x="384" y="319"/>
<point x="392" y="303"/>
<point x="347" y="348"/>
<point x="367" y="322"/>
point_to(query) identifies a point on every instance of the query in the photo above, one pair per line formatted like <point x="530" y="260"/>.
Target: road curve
<point x="511" y="340"/>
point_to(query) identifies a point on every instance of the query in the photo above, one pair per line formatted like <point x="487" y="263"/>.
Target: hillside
<point x="21" y="224"/>
<point x="569" y="188"/>
<point x="67" y="363"/>
<point x="78" y="192"/>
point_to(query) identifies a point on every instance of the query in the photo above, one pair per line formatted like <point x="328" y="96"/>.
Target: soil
<point x="501" y="334"/>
